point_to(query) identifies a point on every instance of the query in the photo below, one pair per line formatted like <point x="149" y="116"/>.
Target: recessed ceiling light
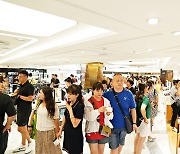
<point x="153" y="21"/>
<point x="176" y="33"/>
<point x="148" y="50"/>
<point x="136" y="53"/>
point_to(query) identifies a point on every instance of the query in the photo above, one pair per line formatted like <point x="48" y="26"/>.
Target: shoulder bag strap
<point x="93" y="104"/>
<point x="117" y="99"/>
<point x="37" y="106"/>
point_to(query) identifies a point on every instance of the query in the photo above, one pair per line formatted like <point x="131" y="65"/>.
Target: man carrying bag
<point x="128" y="104"/>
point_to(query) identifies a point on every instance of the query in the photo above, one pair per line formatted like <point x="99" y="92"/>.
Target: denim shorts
<point x="101" y="141"/>
<point x="117" y="137"/>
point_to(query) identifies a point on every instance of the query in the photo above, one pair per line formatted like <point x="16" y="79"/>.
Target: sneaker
<point x="152" y="139"/>
<point x="174" y="129"/>
<point x="29" y="148"/>
<point x="19" y="149"/>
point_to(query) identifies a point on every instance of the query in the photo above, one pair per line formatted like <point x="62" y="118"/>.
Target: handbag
<point x="104" y="130"/>
<point x="178" y="102"/>
<point x="127" y="119"/>
<point x="34" y="120"/>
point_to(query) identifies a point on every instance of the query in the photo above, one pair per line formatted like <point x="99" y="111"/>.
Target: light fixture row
<point x="154" y="21"/>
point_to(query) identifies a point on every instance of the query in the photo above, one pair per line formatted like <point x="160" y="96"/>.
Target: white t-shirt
<point x="172" y="94"/>
<point x="44" y="122"/>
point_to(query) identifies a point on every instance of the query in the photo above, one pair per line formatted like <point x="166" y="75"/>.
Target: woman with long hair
<point x="98" y="112"/>
<point x="72" y="121"/>
<point x="47" y="124"/>
<point x="143" y="111"/>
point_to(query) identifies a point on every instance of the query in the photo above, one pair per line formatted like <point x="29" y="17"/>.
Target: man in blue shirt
<point x="128" y="104"/>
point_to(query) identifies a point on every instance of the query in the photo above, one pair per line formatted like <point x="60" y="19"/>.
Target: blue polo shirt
<point x="127" y="101"/>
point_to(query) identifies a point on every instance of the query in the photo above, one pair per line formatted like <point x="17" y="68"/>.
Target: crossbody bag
<point x="127" y="119"/>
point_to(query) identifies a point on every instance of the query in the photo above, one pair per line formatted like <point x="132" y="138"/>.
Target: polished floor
<point x="162" y="144"/>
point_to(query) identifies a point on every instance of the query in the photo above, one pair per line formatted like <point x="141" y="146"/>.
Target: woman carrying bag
<point x="98" y="112"/>
<point x="47" y="125"/>
<point x="143" y="110"/>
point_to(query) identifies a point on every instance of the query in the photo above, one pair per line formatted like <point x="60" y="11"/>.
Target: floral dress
<point x="152" y="98"/>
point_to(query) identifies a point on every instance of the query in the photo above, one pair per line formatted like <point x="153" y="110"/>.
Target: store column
<point x="94" y="73"/>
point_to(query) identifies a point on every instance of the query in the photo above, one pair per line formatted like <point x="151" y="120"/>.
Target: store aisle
<point x="160" y="146"/>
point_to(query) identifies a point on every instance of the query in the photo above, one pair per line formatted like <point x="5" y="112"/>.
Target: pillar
<point x="94" y="73"/>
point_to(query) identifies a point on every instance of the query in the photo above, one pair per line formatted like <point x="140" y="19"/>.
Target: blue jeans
<point x="117" y="137"/>
<point x="3" y="142"/>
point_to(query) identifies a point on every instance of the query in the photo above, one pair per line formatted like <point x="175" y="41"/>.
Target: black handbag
<point x="127" y="119"/>
<point x="178" y="102"/>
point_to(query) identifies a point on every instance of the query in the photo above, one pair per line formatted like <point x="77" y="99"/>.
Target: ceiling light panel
<point x="176" y="33"/>
<point x="83" y="34"/>
<point x="153" y="21"/>
<point x="23" y="20"/>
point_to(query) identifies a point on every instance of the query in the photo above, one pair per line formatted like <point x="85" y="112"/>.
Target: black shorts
<point x="23" y="118"/>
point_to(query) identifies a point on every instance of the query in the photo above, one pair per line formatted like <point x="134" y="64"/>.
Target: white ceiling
<point x="129" y="38"/>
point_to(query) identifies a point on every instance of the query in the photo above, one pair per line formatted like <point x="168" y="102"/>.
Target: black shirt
<point x="6" y="106"/>
<point x="73" y="137"/>
<point x="52" y="80"/>
<point x="132" y="90"/>
<point x="25" y="90"/>
<point x="56" y="82"/>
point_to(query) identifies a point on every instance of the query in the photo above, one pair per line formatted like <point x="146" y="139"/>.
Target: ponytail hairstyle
<point x="75" y="89"/>
<point x="140" y="93"/>
<point x="49" y="100"/>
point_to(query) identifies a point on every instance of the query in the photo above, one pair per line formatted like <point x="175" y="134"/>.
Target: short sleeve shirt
<point x="44" y="122"/>
<point x="73" y="137"/>
<point x="127" y="101"/>
<point x="26" y="90"/>
<point x="173" y="95"/>
<point x="6" y="106"/>
<point x="56" y="82"/>
<point x="148" y="107"/>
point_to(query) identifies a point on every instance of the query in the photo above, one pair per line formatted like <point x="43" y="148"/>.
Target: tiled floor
<point x="160" y="146"/>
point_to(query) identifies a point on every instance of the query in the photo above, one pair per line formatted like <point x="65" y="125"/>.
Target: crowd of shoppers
<point x="101" y="110"/>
